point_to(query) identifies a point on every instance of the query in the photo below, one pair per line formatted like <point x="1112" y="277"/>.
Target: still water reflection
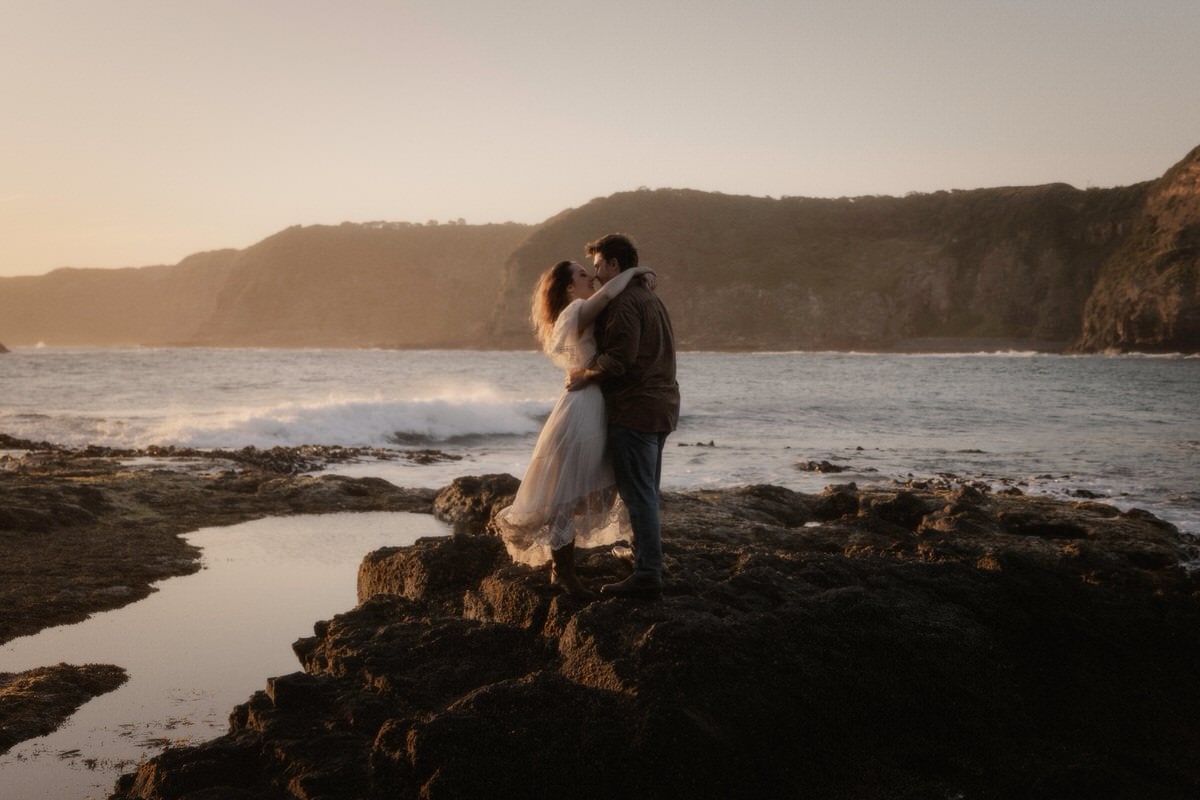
<point x="197" y="647"/>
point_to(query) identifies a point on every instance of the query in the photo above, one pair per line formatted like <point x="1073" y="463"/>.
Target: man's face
<point x="605" y="270"/>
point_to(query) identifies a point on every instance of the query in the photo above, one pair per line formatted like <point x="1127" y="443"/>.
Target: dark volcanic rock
<point x="36" y="702"/>
<point x="429" y="570"/>
<point x="469" y="503"/>
<point x="902" y="643"/>
<point x="91" y="529"/>
<point x="85" y="531"/>
<point x="820" y="466"/>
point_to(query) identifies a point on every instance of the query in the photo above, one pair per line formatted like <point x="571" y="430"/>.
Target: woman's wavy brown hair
<point x="550" y="298"/>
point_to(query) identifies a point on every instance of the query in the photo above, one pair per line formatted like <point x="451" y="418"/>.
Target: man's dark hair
<point x="615" y="245"/>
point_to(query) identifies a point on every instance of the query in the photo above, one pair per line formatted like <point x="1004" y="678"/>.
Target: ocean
<point x="1123" y="429"/>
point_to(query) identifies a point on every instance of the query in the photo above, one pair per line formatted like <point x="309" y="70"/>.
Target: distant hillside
<point x="868" y="272"/>
<point x="150" y="305"/>
<point x="372" y="285"/>
<point x="425" y="286"/>
<point x="1048" y="267"/>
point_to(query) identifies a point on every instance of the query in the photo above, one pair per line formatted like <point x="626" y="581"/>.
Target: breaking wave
<point x="349" y="423"/>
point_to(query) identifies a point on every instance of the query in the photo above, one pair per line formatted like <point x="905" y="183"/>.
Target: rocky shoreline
<point x="35" y="702"/>
<point x="922" y="640"/>
<point x="91" y="529"/>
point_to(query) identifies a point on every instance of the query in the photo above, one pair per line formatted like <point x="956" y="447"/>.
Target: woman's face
<point x="580" y="287"/>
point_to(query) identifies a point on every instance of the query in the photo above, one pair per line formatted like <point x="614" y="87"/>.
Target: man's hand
<point x="579" y="378"/>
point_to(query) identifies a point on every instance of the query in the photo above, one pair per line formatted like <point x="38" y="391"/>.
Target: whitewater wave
<point x="349" y="423"/>
<point x="370" y="423"/>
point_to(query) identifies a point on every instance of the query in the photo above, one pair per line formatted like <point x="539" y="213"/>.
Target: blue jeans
<point x="637" y="464"/>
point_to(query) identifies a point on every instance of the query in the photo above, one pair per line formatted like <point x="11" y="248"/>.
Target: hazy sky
<point x="136" y="132"/>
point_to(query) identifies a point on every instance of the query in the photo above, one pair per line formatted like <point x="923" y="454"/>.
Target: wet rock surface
<point x="35" y="702"/>
<point x="927" y="640"/>
<point x="88" y="530"/>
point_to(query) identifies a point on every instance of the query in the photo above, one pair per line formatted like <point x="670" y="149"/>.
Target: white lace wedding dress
<point x="568" y="492"/>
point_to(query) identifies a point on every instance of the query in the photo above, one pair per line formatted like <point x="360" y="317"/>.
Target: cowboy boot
<point x="562" y="573"/>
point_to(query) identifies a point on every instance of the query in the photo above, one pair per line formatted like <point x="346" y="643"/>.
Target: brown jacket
<point x="637" y="361"/>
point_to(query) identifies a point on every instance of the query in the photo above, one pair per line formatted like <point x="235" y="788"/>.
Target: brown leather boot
<point x="640" y="585"/>
<point x="562" y="573"/>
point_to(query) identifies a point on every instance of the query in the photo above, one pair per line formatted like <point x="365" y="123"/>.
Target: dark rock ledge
<point x="914" y="642"/>
<point x="86" y="530"/>
<point x="36" y="702"/>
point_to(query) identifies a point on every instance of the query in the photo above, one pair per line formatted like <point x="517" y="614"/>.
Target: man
<point x="635" y="368"/>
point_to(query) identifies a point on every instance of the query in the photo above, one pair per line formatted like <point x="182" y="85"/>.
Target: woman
<point x="568" y="493"/>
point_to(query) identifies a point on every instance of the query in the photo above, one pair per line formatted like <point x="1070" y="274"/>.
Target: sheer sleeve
<point x="563" y="346"/>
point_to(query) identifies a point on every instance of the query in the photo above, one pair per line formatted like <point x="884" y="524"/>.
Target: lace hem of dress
<point x="599" y="518"/>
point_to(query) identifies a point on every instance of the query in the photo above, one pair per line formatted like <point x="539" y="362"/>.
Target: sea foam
<point x="358" y="423"/>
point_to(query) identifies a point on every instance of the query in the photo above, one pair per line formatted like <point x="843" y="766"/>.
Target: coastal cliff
<point x="923" y="640"/>
<point x="1148" y="294"/>
<point x="375" y="285"/>
<point x="1010" y="264"/>
<point x="1038" y="267"/>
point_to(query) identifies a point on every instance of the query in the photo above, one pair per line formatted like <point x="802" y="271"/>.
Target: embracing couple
<point x="595" y="474"/>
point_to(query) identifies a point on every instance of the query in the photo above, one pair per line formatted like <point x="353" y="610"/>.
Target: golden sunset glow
<point x="139" y="132"/>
